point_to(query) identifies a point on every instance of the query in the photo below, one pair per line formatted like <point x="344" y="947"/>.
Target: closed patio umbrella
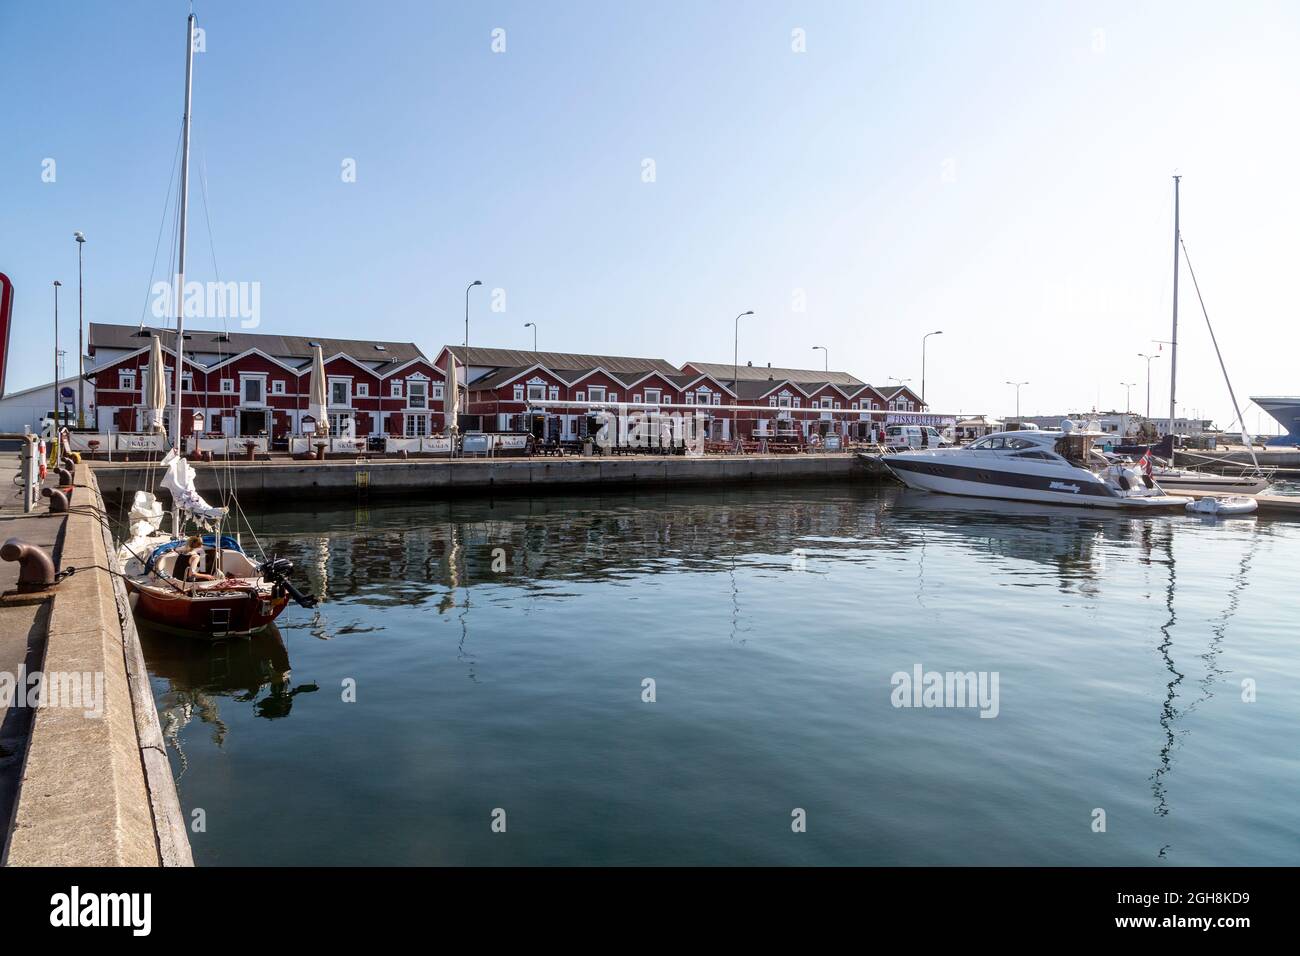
<point x="155" y="398"/>
<point x="451" y="396"/>
<point x="316" y="397"/>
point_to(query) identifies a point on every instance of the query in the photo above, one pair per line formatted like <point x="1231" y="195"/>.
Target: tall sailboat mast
<point x="1173" y="339"/>
<point x="180" y="252"/>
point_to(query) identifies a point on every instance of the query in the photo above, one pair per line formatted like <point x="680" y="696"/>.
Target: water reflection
<point x="198" y="672"/>
<point x="499" y="623"/>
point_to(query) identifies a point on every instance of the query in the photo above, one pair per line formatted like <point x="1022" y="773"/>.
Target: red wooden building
<point x="249" y="384"/>
<point x="554" y="394"/>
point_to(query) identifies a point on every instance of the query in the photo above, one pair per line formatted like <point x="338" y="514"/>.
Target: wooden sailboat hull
<point x="211" y="613"/>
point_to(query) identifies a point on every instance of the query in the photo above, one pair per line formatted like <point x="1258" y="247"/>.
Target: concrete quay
<point x="288" y="479"/>
<point x="84" y="776"/>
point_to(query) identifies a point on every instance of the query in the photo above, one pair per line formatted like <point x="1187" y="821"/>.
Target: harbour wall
<point x="294" y="480"/>
<point x="96" y="789"/>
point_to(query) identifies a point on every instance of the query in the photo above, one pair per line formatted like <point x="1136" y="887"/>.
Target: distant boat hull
<point x="1192" y="482"/>
<point x="1286" y="409"/>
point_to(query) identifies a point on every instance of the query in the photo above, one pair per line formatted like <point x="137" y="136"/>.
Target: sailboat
<point x="193" y="579"/>
<point x="1173" y="479"/>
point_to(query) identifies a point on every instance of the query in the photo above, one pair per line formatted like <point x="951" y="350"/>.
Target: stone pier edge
<point x="96" y="791"/>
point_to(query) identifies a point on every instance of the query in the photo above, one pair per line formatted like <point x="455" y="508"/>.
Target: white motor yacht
<point x="1056" y="467"/>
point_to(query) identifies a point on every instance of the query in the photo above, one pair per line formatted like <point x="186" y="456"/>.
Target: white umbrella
<point x="155" y="398"/>
<point x="451" y="395"/>
<point x="316" y="398"/>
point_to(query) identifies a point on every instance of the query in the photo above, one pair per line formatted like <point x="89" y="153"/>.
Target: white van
<point x="900" y="437"/>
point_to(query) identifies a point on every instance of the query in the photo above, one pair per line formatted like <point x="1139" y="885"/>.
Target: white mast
<point x="179" y="290"/>
<point x="1173" y="344"/>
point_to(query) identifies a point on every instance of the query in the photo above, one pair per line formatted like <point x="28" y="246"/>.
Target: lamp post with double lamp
<point x="81" y="345"/>
<point x="1149" y="359"/>
<point x="467" y="288"/>
<point x="825" y="354"/>
<point x="54" y="443"/>
<point x="735" y="371"/>
<point x="533" y="326"/>
<point x="923" y="338"/>
<point x="1017" y="387"/>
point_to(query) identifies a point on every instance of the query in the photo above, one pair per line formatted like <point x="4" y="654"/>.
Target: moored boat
<point x="218" y="590"/>
<point x="1051" y="467"/>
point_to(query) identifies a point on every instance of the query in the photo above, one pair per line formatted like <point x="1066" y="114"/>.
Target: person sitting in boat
<point x="192" y="553"/>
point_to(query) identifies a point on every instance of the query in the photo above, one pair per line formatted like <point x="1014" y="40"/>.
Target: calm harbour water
<point x="771" y="621"/>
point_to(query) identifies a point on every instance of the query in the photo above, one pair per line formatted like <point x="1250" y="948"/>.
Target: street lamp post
<point x="1017" y="386"/>
<point x="533" y="326"/>
<point x="467" y="288"/>
<point x="81" y="346"/>
<point x="923" y="338"/>
<point x="1149" y="359"/>
<point x="735" y="370"/>
<point x="54" y="443"/>
<point x="826" y="354"/>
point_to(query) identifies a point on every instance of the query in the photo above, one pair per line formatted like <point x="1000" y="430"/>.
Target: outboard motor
<point x="277" y="571"/>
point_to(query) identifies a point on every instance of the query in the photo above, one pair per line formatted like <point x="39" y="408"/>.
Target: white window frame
<point x="593" y="389"/>
<point x="420" y="394"/>
<point x="540" y="388"/>
<point x="395" y="388"/>
<point x="519" y="392"/>
<point x="277" y="386"/>
<point x="363" y="389"/>
<point x="244" y="379"/>
<point x="228" y="386"/>
<point x="690" y="397"/>
<point x="580" y="397"/>
<point x="653" y="396"/>
<point x="336" y="422"/>
<point x="126" y="380"/>
<point x="415" y="425"/>
<point x="553" y="393"/>
<point x="344" y="380"/>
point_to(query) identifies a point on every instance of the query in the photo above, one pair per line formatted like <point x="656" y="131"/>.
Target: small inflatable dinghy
<point x="1226" y="506"/>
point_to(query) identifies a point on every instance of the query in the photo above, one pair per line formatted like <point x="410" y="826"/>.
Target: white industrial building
<point x="26" y="409"/>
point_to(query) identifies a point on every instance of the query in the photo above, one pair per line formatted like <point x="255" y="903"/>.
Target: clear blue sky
<point x="1000" y="171"/>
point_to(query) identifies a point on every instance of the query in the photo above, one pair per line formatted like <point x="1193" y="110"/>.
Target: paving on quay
<point x="84" y="779"/>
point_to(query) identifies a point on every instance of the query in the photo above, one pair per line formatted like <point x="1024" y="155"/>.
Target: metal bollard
<point x="58" y="500"/>
<point x="35" y="568"/>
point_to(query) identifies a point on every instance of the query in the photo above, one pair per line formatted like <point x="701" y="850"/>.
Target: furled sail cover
<point x="146" y="515"/>
<point x="178" y="480"/>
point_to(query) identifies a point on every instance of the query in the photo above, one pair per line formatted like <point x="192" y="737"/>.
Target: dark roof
<point x="751" y="389"/>
<point x="279" y="346"/>
<point x="560" y="362"/>
<point x="500" y="376"/>
<point x="760" y="372"/>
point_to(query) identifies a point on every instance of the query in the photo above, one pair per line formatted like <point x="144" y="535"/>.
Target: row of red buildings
<point x="242" y="383"/>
